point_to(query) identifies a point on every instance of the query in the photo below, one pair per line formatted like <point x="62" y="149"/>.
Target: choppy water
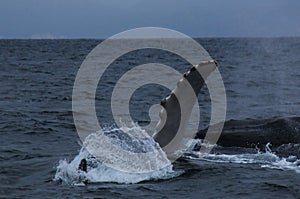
<point x="261" y="77"/>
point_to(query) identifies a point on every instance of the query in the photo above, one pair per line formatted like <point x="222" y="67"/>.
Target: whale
<point x="251" y="133"/>
<point x="170" y="115"/>
<point x="245" y="133"/>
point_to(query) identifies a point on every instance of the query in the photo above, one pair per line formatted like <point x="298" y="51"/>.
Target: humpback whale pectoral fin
<point x="205" y="68"/>
<point x="170" y="117"/>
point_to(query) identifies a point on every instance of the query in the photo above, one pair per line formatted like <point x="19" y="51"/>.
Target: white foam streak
<point x="266" y="159"/>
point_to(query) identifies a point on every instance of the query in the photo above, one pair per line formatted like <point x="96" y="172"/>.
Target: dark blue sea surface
<point x="262" y="82"/>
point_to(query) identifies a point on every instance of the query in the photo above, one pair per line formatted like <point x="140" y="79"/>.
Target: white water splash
<point x="267" y="159"/>
<point x="98" y="172"/>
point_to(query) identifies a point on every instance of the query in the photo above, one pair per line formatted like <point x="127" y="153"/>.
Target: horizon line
<point x="206" y="37"/>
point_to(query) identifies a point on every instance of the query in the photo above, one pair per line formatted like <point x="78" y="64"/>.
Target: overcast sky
<point x="101" y="19"/>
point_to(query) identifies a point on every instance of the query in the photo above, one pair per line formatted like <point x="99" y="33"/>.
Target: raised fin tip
<point x="209" y="62"/>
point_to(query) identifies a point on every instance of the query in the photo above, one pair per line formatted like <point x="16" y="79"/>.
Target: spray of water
<point x="132" y="139"/>
<point x="266" y="159"/>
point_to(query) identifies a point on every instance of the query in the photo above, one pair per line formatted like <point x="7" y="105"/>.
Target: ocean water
<point x="40" y="148"/>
